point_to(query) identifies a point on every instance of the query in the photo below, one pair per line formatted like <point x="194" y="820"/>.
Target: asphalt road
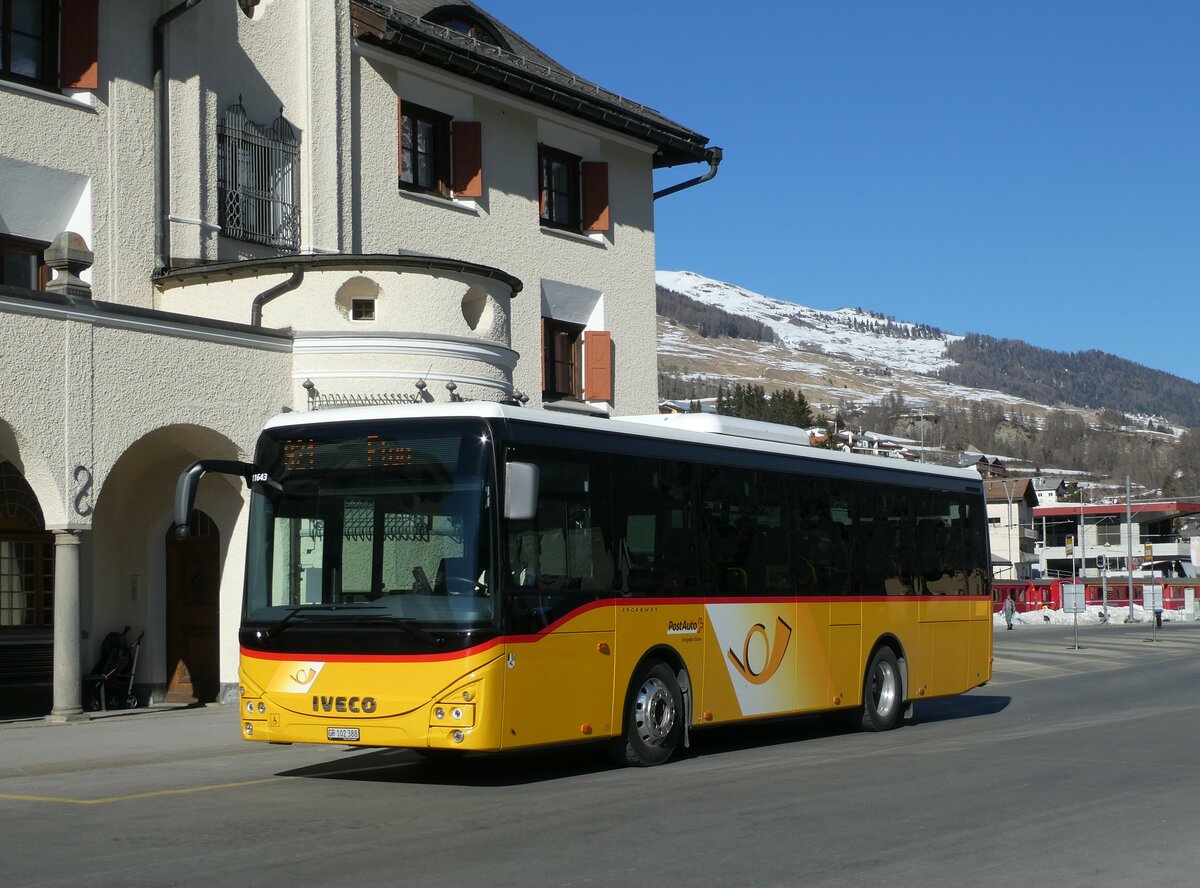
<point x="1071" y="768"/>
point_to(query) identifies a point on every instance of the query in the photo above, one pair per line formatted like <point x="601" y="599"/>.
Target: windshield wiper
<point x="275" y="628"/>
<point x="405" y="623"/>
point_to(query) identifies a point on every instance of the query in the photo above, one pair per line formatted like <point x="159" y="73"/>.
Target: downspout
<point x="714" y="160"/>
<point x="278" y="290"/>
<point x="161" y="112"/>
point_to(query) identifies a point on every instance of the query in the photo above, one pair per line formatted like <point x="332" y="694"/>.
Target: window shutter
<point x="598" y="379"/>
<point x="80" y="39"/>
<point x="468" y="159"/>
<point x="595" y="196"/>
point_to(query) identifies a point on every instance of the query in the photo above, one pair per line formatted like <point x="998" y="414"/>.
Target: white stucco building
<point x="279" y="205"/>
<point x="1011" y="533"/>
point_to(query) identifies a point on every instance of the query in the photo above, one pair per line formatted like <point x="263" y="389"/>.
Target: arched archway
<point x="193" y="610"/>
<point x="26" y="598"/>
<point x="174" y="589"/>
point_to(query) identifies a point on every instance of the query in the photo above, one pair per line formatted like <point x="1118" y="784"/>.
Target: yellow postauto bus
<point x="483" y="577"/>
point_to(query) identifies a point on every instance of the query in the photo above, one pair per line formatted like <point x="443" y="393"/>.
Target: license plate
<point x="341" y="733"/>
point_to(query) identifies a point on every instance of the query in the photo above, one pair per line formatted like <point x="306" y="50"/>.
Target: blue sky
<point x="1025" y="170"/>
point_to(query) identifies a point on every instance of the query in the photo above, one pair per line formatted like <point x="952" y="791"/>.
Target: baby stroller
<point x="111" y="679"/>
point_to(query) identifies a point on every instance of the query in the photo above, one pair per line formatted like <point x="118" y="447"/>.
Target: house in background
<point x="1011" y="533"/>
<point x="279" y="205"/>
<point x="1049" y="490"/>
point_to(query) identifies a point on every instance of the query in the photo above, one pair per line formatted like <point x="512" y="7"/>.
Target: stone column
<point x="68" y="677"/>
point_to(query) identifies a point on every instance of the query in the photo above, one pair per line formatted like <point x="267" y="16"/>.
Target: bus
<point x="484" y="577"/>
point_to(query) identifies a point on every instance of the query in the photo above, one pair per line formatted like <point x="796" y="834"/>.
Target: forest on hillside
<point x="882" y="325"/>
<point x="708" y="320"/>
<point x="1062" y="440"/>
<point x="1092" y="379"/>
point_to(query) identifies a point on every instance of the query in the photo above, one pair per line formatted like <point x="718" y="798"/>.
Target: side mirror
<point x="189" y="480"/>
<point x="520" y="491"/>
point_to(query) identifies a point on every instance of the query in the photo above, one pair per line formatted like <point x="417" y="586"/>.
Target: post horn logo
<point x="306" y="675"/>
<point x="775" y="652"/>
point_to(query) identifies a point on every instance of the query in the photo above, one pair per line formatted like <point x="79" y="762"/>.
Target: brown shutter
<point x="595" y="196"/>
<point x="468" y="159"/>
<point x="80" y="39"/>
<point x="598" y="379"/>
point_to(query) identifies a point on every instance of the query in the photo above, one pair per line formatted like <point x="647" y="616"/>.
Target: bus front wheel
<point x="883" y="692"/>
<point x="653" y="717"/>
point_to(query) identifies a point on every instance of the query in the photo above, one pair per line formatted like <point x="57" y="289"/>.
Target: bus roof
<point x="742" y="435"/>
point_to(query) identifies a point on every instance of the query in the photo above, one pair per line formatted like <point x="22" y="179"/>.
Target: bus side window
<point x="563" y="557"/>
<point x="654" y="502"/>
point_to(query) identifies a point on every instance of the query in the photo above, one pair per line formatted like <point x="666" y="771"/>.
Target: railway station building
<point x="1090" y="539"/>
<point x="213" y="211"/>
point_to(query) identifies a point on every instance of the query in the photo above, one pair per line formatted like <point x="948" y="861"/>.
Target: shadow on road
<point x="531" y="766"/>
<point x="499" y="769"/>
<point x="967" y="706"/>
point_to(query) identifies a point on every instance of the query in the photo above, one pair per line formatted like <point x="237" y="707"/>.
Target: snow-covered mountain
<point x="843" y="332"/>
<point x="832" y="356"/>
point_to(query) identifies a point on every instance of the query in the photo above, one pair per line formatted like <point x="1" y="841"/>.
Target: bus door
<point x="561" y="566"/>
<point x="759" y="634"/>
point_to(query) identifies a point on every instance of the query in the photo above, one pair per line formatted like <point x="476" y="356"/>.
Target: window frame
<point x="442" y="157"/>
<point x="549" y="199"/>
<point x="25" y="246"/>
<point x="554" y="363"/>
<point x="258" y="180"/>
<point x="48" y="58"/>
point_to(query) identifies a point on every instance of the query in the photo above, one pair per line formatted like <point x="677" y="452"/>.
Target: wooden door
<point x="193" y="614"/>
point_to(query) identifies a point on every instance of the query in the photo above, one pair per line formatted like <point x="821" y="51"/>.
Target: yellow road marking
<point x="140" y="795"/>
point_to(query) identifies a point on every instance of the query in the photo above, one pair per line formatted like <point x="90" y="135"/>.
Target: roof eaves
<point x="383" y="25"/>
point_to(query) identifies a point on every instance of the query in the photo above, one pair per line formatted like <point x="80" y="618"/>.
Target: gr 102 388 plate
<point x="341" y="733"/>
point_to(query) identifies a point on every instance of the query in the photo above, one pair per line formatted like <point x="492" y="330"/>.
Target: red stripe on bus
<point x="373" y="658"/>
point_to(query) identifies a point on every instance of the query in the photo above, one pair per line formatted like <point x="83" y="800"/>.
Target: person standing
<point x="1010" y="608"/>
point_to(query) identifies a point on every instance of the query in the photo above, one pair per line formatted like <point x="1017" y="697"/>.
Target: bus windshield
<point x="381" y="524"/>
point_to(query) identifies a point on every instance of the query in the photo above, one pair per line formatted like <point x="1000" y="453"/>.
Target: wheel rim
<point x="654" y="712"/>
<point x="884" y="688"/>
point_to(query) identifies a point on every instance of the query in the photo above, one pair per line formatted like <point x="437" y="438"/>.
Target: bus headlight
<point x="458" y="736"/>
<point x="462" y="716"/>
<point x="249" y="729"/>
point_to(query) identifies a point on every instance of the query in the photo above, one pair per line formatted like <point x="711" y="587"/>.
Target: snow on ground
<point x="1092" y="617"/>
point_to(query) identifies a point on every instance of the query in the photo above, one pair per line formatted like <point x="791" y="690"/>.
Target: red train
<point x="1032" y="595"/>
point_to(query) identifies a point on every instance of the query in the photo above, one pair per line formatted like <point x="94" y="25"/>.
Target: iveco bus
<point x="483" y="577"/>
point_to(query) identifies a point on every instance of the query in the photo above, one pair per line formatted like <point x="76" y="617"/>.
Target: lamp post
<point x="1129" y="545"/>
<point x="1104" y="582"/>
<point x="1008" y="496"/>
<point x="1082" y="542"/>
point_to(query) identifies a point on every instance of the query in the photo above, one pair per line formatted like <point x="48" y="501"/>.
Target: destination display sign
<point x="368" y="448"/>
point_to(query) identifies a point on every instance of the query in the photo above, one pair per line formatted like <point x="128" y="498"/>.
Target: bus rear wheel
<point x="653" y="717"/>
<point x="883" y="692"/>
